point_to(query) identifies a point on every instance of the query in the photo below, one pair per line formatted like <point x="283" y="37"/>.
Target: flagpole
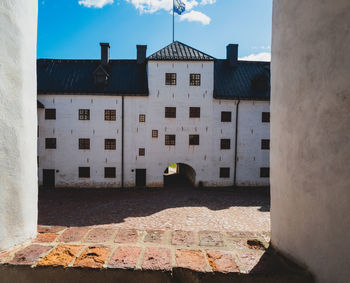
<point x="173" y="22"/>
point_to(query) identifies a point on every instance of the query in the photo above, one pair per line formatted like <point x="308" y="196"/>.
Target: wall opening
<point x="179" y="174"/>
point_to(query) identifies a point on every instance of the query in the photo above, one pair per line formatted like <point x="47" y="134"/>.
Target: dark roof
<point x="239" y="82"/>
<point x="180" y="51"/>
<point x="39" y="104"/>
<point x="77" y="76"/>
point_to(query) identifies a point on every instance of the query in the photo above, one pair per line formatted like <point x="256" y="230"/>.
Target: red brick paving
<point x="99" y="235"/>
<point x="248" y="260"/>
<point x="50" y="229"/>
<point x="183" y="238"/>
<point x="62" y="255"/>
<point x="190" y="259"/>
<point x="156" y="258"/>
<point x="73" y="234"/>
<point x="223" y="262"/>
<point x="125" y="257"/>
<point x="29" y="255"/>
<point x="93" y="257"/>
<point x="45" y="237"/>
<point x="154" y="236"/>
<point x="126" y="236"/>
<point x="211" y="238"/>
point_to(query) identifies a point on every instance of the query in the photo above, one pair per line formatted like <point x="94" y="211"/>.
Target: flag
<point x="179" y="6"/>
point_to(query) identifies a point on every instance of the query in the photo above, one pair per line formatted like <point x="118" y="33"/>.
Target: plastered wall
<point x="310" y="137"/>
<point x="18" y="122"/>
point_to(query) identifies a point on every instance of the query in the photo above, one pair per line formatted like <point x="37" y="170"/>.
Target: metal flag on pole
<point x="179" y="7"/>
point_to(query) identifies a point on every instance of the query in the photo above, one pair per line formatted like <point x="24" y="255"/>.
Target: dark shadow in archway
<point x="179" y="175"/>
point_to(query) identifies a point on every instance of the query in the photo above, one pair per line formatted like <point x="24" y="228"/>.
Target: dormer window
<point x="101" y="76"/>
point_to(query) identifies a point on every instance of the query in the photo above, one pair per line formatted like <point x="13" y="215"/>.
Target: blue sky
<point x="72" y="29"/>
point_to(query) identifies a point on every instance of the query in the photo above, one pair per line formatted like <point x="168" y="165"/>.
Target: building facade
<point x="121" y="123"/>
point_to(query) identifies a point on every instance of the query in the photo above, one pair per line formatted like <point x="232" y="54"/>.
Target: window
<point x="50" y="114"/>
<point x="225" y="144"/>
<point x="110" y="115"/>
<point x="50" y="143"/>
<point x="195" y="112"/>
<point x="194" y="140"/>
<point x="224" y="172"/>
<point x="141" y="152"/>
<point x="84" y="172"/>
<point x="84" y="114"/>
<point x="170" y="112"/>
<point x="170" y="78"/>
<point x="264" y="172"/>
<point x="142" y="118"/>
<point x="84" y="143"/>
<point x="226" y="116"/>
<point x="109" y="172"/>
<point x="195" y="79"/>
<point x="110" y="144"/>
<point x="265" y="117"/>
<point x="265" y="144"/>
<point x="154" y="133"/>
<point x="170" y="139"/>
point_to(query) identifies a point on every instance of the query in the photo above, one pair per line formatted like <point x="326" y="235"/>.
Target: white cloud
<point x="208" y="2"/>
<point x="263" y="56"/>
<point x="195" y="16"/>
<point x="95" y="3"/>
<point x="152" y="6"/>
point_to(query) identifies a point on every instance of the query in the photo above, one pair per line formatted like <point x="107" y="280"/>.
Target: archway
<point x="179" y="175"/>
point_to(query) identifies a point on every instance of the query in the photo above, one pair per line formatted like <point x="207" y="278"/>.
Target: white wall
<point x="18" y="124"/>
<point x="310" y="135"/>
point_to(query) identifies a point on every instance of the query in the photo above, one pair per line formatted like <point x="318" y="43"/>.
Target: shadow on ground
<point x="85" y="207"/>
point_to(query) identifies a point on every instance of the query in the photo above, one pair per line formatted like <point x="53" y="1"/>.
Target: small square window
<point x="142" y="118"/>
<point x="265" y="117"/>
<point x="170" y="139"/>
<point x="50" y="143"/>
<point x="226" y="116"/>
<point x="154" y="133"/>
<point x="195" y="112"/>
<point x="194" y="140"/>
<point x="170" y="78"/>
<point x="84" y="172"/>
<point x="84" y="114"/>
<point x="110" y="115"/>
<point x="84" y="143"/>
<point x="50" y="114"/>
<point x="265" y="144"/>
<point x="141" y="152"/>
<point x="264" y="172"/>
<point x="110" y="144"/>
<point x="224" y="172"/>
<point x="225" y="144"/>
<point x="109" y="172"/>
<point x="170" y="112"/>
<point x="195" y="79"/>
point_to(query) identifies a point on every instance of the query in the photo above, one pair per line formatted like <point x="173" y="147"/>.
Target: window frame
<point x="50" y="143"/>
<point x="225" y="172"/>
<point x="265" y="144"/>
<point x="170" y="78"/>
<point x="225" y="144"/>
<point x="83" y="142"/>
<point x="170" y="140"/>
<point x="142" y="151"/>
<point x="195" y="112"/>
<point x="170" y="112"/>
<point x="110" y="144"/>
<point x="107" y="174"/>
<point x="193" y="140"/>
<point x="142" y="118"/>
<point x="50" y="113"/>
<point x="154" y="134"/>
<point x="195" y="79"/>
<point x="265" y="117"/>
<point x="84" y="114"/>
<point x="81" y="171"/>
<point x="225" y="119"/>
<point x="264" y="172"/>
<point x="110" y="115"/>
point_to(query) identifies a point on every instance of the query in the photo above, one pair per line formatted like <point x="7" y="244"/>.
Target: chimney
<point x="232" y="54"/>
<point x="141" y="53"/>
<point x="104" y="54"/>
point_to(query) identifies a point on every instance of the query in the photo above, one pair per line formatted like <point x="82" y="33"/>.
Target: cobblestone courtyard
<point x="179" y="207"/>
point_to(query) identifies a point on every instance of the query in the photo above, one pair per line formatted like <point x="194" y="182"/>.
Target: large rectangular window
<point x="265" y="144"/>
<point x="141" y="152"/>
<point x="264" y="172"/>
<point x="170" y="112"/>
<point x="84" y="172"/>
<point x="50" y="114"/>
<point x="224" y="172"/>
<point x="110" y="115"/>
<point x="195" y="79"/>
<point x="225" y="144"/>
<point x="265" y="117"/>
<point x="195" y="112"/>
<point x="194" y="140"/>
<point x="170" y="139"/>
<point x="110" y="144"/>
<point x="84" y="143"/>
<point x="154" y="133"/>
<point x="109" y="172"/>
<point x="84" y="114"/>
<point x="170" y="78"/>
<point x="142" y="118"/>
<point x="226" y="116"/>
<point x="50" y="143"/>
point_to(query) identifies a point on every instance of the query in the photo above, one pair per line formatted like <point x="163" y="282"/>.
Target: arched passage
<point x="179" y="174"/>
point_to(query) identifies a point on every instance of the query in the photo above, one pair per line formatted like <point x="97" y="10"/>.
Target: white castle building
<point x="121" y="123"/>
